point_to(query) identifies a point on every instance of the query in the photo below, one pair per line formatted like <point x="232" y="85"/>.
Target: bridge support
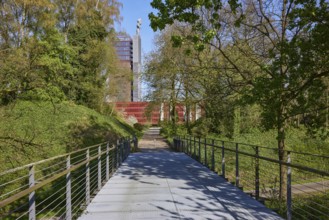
<point x="223" y="160"/>
<point x="68" y="190"/>
<point x="257" y="173"/>
<point x="289" y="211"/>
<point x="99" y="169"/>
<point x="237" y="182"/>
<point x="87" y="179"/>
<point x="32" y="215"/>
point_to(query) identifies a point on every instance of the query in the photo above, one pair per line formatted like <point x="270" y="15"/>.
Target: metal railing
<point x="60" y="187"/>
<point x="256" y="170"/>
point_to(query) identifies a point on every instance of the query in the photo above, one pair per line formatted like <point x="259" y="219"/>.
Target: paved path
<point x="159" y="184"/>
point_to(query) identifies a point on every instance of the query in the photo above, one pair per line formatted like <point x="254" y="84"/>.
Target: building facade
<point x="129" y="53"/>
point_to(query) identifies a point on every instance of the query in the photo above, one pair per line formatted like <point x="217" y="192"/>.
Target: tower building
<point x="129" y="54"/>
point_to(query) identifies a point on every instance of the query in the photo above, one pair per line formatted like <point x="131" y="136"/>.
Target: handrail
<point x="48" y="159"/>
<point x="45" y="182"/>
<point x="309" y="169"/>
<point x="252" y="169"/>
<point x="99" y="166"/>
<point x="269" y="148"/>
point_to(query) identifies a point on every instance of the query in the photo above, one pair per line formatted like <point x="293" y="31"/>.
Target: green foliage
<point x="170" y="130"/>
<point x="61" y="45"/>
<point x="33" y="130"/>
<point x="282" y="68"/>
<point x="201" y="127"/>
<point x="138" y="127"/>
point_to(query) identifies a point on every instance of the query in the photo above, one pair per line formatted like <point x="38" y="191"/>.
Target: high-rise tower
<point x="137" y="63"/>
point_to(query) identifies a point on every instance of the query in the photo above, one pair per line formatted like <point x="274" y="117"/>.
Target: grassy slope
<point x="30" y="131"/>
<point x="296" y="139"/>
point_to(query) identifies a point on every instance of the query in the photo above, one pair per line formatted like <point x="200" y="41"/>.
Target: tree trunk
<point x="188" y="123"/>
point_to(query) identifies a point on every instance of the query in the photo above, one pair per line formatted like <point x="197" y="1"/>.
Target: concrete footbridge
<point x="157" y="183"/>
<point x="194" y="178"/>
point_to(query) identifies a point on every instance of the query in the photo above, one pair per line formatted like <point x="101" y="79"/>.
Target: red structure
<point x="138" y="110"/>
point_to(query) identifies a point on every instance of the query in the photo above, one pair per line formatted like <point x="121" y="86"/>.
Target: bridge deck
<point x="169" y="185"/>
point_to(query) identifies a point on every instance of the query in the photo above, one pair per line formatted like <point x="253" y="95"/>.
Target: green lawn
<point x="33" y="130"/>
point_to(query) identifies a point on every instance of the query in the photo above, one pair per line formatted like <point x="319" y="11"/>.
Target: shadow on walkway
<point x="159" y="184"/>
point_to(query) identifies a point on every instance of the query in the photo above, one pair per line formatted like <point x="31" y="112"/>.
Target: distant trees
<point x="57" y="49"/>
<point x="270" y="53"/>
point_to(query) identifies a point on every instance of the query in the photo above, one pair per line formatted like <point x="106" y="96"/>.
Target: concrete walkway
<point x="159" y="184"/>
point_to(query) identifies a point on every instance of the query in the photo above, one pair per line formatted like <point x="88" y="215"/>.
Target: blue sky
<point x="130" y="12"/>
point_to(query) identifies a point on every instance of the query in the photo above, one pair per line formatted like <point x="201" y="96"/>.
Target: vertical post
<point x="68" y="190"/>
<point x="121" y="150"/>
<point x="194" y="143"/>
<point x="32" y="215"/>
<point x="237" y="165"/>
<point x="257" y="173"/>
<point x="128" y="147"/>
<point x="223" y="159"/>
<point x="113" y="156"/>
<point x="117" y="148"/>
<point x="180" y="145"/>
<point x="99" y="168"/>
<point x="205" y="152"/>
<point x="135" y="143"/>
<point x="199" y="149"/>
<point x="87" y="179"/>
<point x="289" y="213"/>
<point x="107" y="161"/>
<point x="190" y="146"/>
<point x="212" y="154"/>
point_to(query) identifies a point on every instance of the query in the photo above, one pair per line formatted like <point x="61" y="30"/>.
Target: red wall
<point x="137" y="110"/>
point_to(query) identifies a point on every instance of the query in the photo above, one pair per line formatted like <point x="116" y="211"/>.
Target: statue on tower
<point x="139" y="24"/>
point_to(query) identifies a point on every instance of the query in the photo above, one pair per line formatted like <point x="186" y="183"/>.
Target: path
<point x="159" y="184"/>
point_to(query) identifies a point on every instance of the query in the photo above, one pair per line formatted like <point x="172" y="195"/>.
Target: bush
<point x="138" y="127"/>
<point x="201" y="128"/>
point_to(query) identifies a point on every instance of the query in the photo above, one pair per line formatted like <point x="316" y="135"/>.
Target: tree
<point x="280" y="38"/>
<point x="57" y="49"/>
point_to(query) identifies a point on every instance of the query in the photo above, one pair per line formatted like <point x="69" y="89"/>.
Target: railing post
<point x="32" y="215"/>
<point x="237" y="165"/>
<point x="257" y="173"/>
<point x="113" y="156"/>
<point x="289" y="213"/>
<point x="212" y="154"/>
<point x="194" y="151"/>
<point x="199" y="149"/>
<point x="117" y="149"/>
<point x="107" y="161"/>
<point x="180" y="144"/>
<point x="128" y="147"/>
<point x="223" y="159"/>
<point x="99" y="168"/>
<point x="205" y="152"/>
<point x="87" y="179"/>
<point x="121" y="150"/>
<point x="190" y="147"/>
<point x="68" y="190"/>
<point x="135" y="143"/>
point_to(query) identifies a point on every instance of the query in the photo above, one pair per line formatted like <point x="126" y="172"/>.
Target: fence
<point x="60" y="187"/>
<point x="256" y="170"/>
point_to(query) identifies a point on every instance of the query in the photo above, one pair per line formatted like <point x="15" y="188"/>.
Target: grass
<point x="34" y="130"/>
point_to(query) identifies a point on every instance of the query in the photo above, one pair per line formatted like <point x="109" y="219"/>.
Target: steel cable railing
<point x="299" y="191"/>
<point x="62" y="186"/>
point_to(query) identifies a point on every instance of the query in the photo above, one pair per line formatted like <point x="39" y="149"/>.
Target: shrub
<point x="138" y="127"/>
